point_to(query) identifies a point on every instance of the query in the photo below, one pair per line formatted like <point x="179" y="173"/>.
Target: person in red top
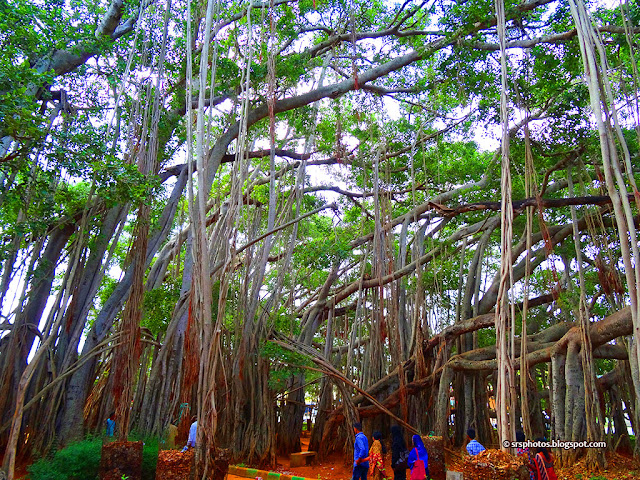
<point x="544" y="463"/>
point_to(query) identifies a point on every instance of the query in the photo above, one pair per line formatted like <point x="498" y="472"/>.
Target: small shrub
<point x="149" y="458"/>
<point x="78" y="461"/>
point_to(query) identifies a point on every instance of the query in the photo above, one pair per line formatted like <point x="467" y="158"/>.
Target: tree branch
<point x="520" y="205"/>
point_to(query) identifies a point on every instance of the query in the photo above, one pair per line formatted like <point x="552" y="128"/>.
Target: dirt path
<point x="334" y="468"/>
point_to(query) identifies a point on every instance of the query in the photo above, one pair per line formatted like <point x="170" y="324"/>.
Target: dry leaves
<point x="435" y="449"/>
<point x="175" y="465"/>
<point x="494" y="465"/>
<point x="619" y="467"/>
<point x="121" y="458"/>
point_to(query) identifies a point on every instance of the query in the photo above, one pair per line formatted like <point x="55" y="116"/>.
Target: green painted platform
<point x="264" y="474"/>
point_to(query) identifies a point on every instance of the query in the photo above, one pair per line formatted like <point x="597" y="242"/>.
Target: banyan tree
<point x="422" y="213"/>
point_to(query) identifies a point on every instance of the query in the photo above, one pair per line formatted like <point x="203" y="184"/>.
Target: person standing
<point x="172" y="433"/>
<point x="473" y="447"/>
<point x="111" y="425"/>
<point x="193" y="431"/>
<point x="399" y="454"/>
<point x="376" y="458"/>
<point x="418" y="460"/>
<point x="360" y="451"/>
<point x="544" y="463"/>
<point x="526" y="453"/>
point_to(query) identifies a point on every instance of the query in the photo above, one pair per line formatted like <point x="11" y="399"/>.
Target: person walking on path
<point x="376" y="458"/>
<point x="360" y="450"/>
<point x="418" y="460"/>
<point x="399" y="453"/>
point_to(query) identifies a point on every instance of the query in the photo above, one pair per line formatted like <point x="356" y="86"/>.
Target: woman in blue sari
<point x="417" y="455"/>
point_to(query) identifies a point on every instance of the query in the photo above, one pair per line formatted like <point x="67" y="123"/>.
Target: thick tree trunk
<point x="481" y="417"/>
<point x="78" y="386"/>
<point x="574" y="400"/>
<point x="247" y="423"/>
<point x="290" y="426"/>
<point x="326" y="389"/>
<point x="442" y="412"/>
<point x="462" y="407"/>
<point x="538" y="427"/>
<point x="558" y="392"/>
<point x="83" y="297"/>
<point x="69" y="336"/>
<point x="13" y="357"/>
<point x="324" y="406"/>
<point x="291" y="418"/>
<point x="621" y="441"/>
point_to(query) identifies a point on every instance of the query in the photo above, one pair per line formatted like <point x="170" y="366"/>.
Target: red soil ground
<point x="332" y="468"/>
<point x="619" y="467"/>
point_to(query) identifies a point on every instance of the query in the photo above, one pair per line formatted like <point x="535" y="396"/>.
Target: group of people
<point x="370" y="461"/>
<point x="170" y="437"/>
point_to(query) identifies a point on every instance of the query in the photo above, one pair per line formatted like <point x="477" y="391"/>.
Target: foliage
<point x="423" y="137"/>
<point x="78" y="461"/>
<point x="289" y="364"/>
<point x="150" y="458"/>
<point x="158" y="305"/>
<point x="81" y="461"/>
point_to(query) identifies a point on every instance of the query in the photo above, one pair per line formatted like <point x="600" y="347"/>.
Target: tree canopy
<point x="217" y="203"/>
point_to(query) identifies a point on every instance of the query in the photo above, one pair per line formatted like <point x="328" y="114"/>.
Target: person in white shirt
<point x="193" y="430"/>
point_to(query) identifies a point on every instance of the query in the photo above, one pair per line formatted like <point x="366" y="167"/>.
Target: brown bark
<point x="545" y="346"/>
<point x="15" y="348"/>
<point x="520" y="205"/>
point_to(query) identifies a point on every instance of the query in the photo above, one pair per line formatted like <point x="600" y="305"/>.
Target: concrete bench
<point x="302" y="458"/>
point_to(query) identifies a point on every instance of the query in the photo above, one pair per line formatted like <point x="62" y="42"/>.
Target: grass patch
<point x="78" y="461"/>
<point x="81" y="461"/>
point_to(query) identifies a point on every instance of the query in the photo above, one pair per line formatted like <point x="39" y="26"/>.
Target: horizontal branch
<point x="520" y="205"/>
<point x="64" y="61"/>
<point x="340" y="88"/>
<point x="481" y="321"/>
<point x="285" y="225"/>
<point x="351" y="288"/>
<point x="394" y="31"/>
<point x="555" y="38"/>
<point x="279" y="152"/>
<point x="615" y="325"/>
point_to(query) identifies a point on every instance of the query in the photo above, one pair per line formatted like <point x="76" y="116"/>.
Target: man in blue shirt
<point x="111" y="424"/>
<point x="360" y="453"/>
<point x="473" y="447"/>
